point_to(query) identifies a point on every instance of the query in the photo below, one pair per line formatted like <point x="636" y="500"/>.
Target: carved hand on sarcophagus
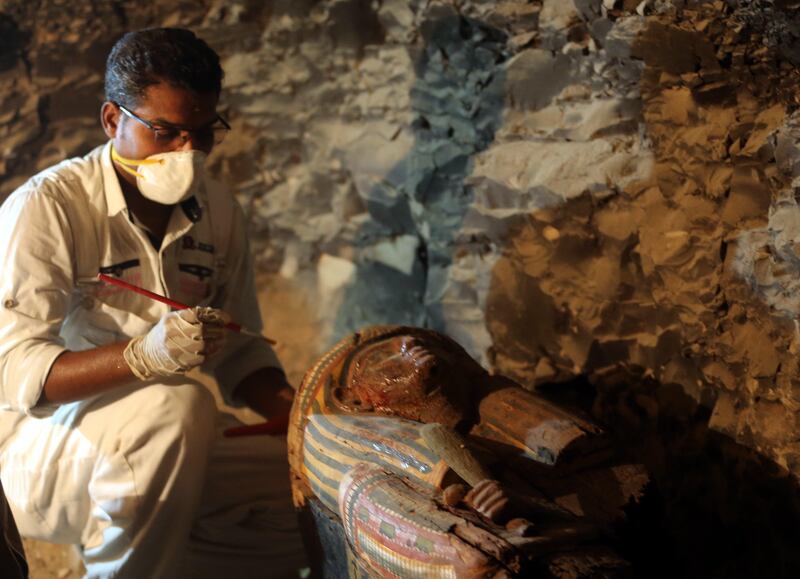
<point x="489" y="499"/>
<point x="430" y="462"/>
<point x="487" y="496"/>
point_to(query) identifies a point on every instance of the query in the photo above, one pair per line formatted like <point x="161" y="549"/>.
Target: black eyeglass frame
<point x="155" y="128"/>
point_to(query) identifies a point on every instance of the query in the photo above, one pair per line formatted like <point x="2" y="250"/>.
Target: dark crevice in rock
<point x="13" y="42"/>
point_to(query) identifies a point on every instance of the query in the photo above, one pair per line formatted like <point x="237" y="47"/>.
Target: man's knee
<point x="164" y="450"/>
<point x="174" y="420"/>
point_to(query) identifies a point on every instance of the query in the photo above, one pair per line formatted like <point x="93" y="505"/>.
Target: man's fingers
<point x="177" y="343"/>
<point x="212" y="316"/>
<point x="213" y="332"/>
<point x="188" y="315"/>
<point x="213" y="346"/>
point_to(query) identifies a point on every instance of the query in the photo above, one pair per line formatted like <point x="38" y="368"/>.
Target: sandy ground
<point x="49" y="561"/>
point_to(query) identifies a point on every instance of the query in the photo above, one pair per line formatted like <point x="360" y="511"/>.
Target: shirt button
<point x="9" y="303"/>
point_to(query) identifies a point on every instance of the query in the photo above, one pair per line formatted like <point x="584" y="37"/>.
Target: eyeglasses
<point x="211" y="134"/>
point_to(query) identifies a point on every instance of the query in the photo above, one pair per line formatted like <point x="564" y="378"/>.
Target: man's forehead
<point x="178" y="106"/>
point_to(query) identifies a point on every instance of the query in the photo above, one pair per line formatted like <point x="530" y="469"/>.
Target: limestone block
<point x="565" y="169"/>
<point x="399" y="253"/>
<point x="378" y="155"/>
<point x="558" y="15"/>
<point x="535" y="76"/>
<point x="334" y="273"/>
<point x="787" y="153"/>
<point x="620" y="39"/>
<point x="397" y="19"/>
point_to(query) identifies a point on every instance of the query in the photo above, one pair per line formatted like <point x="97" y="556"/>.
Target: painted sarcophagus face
<point x="361" y="450"/>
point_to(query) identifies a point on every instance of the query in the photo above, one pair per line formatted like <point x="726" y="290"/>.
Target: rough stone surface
<point x="567" y="187"/>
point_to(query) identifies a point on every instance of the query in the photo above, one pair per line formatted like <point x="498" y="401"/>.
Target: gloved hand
<point x="179" y="341"/>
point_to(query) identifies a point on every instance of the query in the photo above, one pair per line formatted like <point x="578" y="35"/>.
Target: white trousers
<point x="143" y="481"/>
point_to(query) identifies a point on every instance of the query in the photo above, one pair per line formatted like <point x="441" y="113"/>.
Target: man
<point x="104" y="442"/>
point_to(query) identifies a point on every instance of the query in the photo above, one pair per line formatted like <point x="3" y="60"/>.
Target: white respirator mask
<point x="166" y="178"/>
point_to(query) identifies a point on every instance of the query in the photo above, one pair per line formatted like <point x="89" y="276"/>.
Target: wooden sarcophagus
<point x="408" y="459"/>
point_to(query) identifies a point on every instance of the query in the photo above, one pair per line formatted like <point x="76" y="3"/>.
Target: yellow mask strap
<point x="128" y="164"/>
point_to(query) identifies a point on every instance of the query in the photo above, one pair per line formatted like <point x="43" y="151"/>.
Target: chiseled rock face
<point x="564" y="187"/>
<point x="594" y="187"/>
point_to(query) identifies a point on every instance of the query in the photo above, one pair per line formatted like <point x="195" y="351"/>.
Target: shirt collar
<point x="115" y="201"/>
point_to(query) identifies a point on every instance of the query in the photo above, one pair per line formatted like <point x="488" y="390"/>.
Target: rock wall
<point x="567" y="187"/>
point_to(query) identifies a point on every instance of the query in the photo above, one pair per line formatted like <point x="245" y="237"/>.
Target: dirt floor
<point x="49" y="561"/>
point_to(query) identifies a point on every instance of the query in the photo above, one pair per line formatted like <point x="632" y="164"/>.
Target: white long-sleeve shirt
<point x="69" y="223"/>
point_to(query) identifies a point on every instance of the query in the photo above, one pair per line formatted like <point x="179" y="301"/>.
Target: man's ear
<point x="109" y="118"/>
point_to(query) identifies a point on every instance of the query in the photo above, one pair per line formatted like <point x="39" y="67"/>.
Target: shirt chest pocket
<point x="195" y="266"/>
<point x="196" y="280"/>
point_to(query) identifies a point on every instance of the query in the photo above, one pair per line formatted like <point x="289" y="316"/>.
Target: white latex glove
<point x="180" y="341"/>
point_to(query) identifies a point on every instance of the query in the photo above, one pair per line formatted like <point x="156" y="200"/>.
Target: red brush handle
<point x="233" y="326"/>
<point x="142" y="291"/>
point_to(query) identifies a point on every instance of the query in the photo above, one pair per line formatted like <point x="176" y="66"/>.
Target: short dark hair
<point x="146" y="57"/>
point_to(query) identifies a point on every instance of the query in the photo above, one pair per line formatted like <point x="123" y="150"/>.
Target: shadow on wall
<point x="417" y="209"/>
<point x="716" y="509"/>
<point x="637" y="291"/>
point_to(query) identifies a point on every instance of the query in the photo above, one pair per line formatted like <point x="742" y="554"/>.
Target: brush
<point x="232" y="326"/>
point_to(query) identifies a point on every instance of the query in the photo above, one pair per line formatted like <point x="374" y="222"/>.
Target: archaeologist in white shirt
<point x="105" y="443"/>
